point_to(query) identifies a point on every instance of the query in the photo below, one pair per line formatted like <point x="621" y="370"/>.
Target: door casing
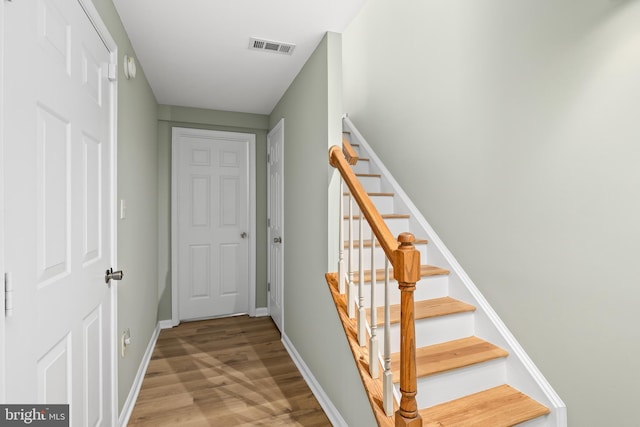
<point x="2" y="271"/>
<point x="276" y="287"/>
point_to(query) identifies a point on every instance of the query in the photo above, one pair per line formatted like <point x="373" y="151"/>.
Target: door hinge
<point x="268" y="287"/>
<point x="268" y="158"/>
<point x="113" y="72"/>
<point x="268" y="222"/>
<point x="8" y="295"/>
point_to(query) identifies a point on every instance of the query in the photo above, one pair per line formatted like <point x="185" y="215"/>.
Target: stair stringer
<point x="522" y="373"/>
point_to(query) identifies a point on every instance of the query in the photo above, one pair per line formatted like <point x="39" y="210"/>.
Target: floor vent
<point x="271" y="46"/>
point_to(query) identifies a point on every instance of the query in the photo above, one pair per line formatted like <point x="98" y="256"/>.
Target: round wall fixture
<point x="129" y="67"/>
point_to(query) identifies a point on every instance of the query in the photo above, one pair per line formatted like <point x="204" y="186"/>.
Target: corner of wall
<point x="312" y="107"/>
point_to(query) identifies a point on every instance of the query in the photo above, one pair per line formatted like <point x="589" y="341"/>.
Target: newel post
<point x="406" y="270"/>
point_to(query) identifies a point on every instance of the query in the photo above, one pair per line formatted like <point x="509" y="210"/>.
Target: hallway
<point x="231" y="371"/>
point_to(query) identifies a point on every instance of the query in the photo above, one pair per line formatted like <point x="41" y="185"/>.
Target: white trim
<point x="102" y="30"/>
<point x="277" y="127"/>
<point x="175" y="316"/>
<point x="114" y="233"/>
<point x="261" y="312"/>
<point x="327" y="405"/>
<point x="2" y="322"/>
<point x="98" y="24"/>
<point x="165" y="324"/>
<point x="178" y="131"/>
<point x="252" y="224"/>
<point x="130" y="403"/>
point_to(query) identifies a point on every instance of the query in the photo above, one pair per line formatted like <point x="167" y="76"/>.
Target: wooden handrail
<point x="378" y="226"/>
<point x="349" y="153"/>
<point x="405" y="260"/>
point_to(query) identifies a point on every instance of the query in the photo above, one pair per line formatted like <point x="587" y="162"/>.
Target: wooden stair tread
<point x="425" y="271"/>
<point x="369" y="175"/>
<point x="434" y="359"/>
<point x="501" y="406"/>
<point x="367" y="243"/>
<point x="425" y="309"/>
<point x="346" y="193"/>
<point x="385" y="216"/>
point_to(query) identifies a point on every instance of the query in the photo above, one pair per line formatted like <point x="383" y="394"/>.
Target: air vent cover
<point x="271" y="46"/>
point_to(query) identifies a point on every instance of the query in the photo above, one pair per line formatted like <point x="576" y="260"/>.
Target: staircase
<point x="469" y="369"/>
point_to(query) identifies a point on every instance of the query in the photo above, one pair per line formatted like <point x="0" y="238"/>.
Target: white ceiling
<point x="195" y="52"/>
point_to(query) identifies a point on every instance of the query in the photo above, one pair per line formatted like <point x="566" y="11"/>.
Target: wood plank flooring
<point x="224" y="372"/>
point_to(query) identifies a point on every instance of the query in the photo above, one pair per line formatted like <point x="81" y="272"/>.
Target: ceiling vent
<point x="271" y="46"/>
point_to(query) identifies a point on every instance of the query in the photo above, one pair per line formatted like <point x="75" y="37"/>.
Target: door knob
<point x="112" y="275"/>
<point x="243" y="235"/>
<point x="277" y="240"/>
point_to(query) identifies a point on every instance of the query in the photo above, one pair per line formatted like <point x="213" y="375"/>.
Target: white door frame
<point x="176" y="133"/>
<point x="277" y="127"/>
<point x="112" y="47"/>
<point x="2" y="312"/>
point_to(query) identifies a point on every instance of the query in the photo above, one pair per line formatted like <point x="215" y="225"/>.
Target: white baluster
<point x="341" y="275"/>
<point x="351" y="287"/>
<point x="373" y="341"/>
<point x="387" y="386"/>
<point x="362" y="320"/>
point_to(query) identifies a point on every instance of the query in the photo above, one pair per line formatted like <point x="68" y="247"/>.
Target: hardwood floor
<point x="224" y="372"/>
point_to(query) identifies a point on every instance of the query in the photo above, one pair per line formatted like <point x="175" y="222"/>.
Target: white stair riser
<point x="361" y="167"/>
<point x="396" y="226"/>
<point x="545" y="421"/>
<point x="433" y="331"/>
<point x="371" y="184"/>
<point x="436" y="389"/>
<point x="384" y="204"/>
<point x="426" y="288"/>
<point x="443" y="328"/>
<point x="379" y="257"/>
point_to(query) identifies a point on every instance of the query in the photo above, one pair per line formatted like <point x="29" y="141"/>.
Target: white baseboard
<point x="165" y="324"/>
<point x="327" y="405"/>
<point x="127" y="409"/>
<point x="262" y="311"/>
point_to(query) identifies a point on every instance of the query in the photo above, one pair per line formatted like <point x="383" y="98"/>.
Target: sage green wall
<point x="138" y="185"/>
<point x="513" y="126"/>
<point x="310" y="320"/>
<point x="171" y="116"/>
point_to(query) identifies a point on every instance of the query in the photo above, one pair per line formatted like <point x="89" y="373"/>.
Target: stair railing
<point x="405" y="261"/>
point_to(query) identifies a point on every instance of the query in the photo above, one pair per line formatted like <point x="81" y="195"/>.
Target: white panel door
<point x="57" y="174"/>
<point x="275" y="208"/>
<point x="212" y="209"/>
